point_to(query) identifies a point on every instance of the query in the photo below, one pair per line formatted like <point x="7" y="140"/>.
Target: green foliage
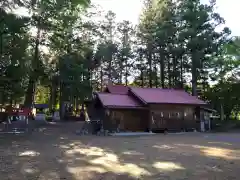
<point x="179" y="42"/>
<point x="175" y="45"/>
<point x="180" y="38"/>
<point x="227" y="94"/>
<point x="42" y="95"/>
<point x="13" y="56"/>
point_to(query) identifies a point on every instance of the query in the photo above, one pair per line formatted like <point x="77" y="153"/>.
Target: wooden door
<point x="159" y="121"/>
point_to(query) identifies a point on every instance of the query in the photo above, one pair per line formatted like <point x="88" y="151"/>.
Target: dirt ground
<point x="56" y="153"/>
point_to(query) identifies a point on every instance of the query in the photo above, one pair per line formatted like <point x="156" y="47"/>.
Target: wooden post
<point x="106" y="120"/>
<point x="150" y="121"/>
<point x="209" y="123"/>
<point x="222" y="113"/>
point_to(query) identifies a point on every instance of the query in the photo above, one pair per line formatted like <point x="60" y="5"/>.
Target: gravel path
<point x="57" y="153"/>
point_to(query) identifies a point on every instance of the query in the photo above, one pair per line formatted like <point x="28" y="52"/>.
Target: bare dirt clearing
<point x="56" y="153"/>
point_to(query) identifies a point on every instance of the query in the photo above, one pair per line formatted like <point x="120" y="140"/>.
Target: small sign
<point x="24" y="112"/>
<point x="56" y="116"/>
<point x="40" y="117"/>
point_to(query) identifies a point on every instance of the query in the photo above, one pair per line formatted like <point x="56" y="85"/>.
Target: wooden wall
<point x="129" y="119"/>
<point x="176" y="117"/>
<point x="171" y="117"/>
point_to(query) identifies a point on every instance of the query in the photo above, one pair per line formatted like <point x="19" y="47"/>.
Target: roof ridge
<point x="102" y="93"/>
<point x="118" y="100"/>
<point x="165" y="95"/>
<point x="154" y="88"/>
<point x="118" y="85"/>
<point x="112" y="93"/>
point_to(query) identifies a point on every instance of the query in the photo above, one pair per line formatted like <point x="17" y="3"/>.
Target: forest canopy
<point x="61" y="52"/>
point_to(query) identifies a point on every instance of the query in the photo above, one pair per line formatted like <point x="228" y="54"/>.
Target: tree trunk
<point x="30" y="93"/>
<point x="61" y="101"/>
<point x="120" y="76"/>
<point x="110" y="66"/>
<point x="89" y="77"/>
<point x="51" y="98"/>
<point x="56" y="94"/>
<point x="126" y="75"/>
<point x="150" y="68"/>
<point x="181" y="70"/>
<point x="194" y="75"/>
<point x="155" y="71"/>
<point x="162" y="68"/>
<point x="11" y="98"/>
<point x="1" y="46"/>
<point x="53" y="93"/>
<point x="156" y="76"/>
<point x="169" y="73"/>
<point x="3" y="99"/>
<point x="2" y="96"/>
<point x="222" y="113"/>
<point x="32" y="79"/>
<point x="121" y="71"/>
<point x="175" y="82"/>
<point x="142" y="78"/>
<point x="101" y="78"/>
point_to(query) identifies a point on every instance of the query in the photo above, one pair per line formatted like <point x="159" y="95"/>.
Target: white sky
<point x="124" y="9"/>
<point x="130" y="10"/>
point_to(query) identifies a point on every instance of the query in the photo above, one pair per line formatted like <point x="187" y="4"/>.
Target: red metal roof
<point x="118" y="100"/>
<point x="165" y="96"/>
<point x="118" y="89"/>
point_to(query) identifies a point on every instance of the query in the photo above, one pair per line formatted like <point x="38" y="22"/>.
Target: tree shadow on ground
<point x="56" y="152"/>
